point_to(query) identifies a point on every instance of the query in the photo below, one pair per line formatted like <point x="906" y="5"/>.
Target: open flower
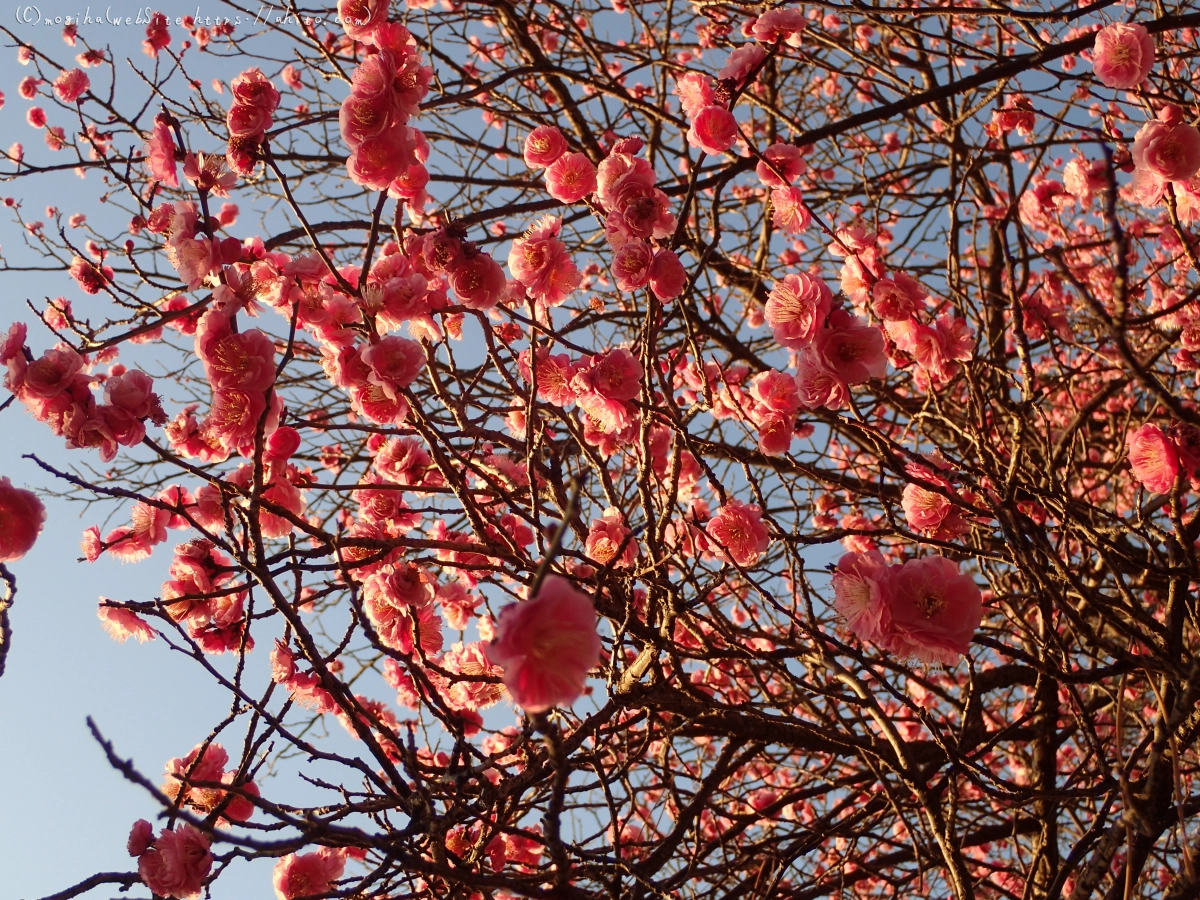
<point x="546" y="646"/>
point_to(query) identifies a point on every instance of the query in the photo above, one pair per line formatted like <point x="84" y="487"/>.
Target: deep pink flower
<point x="478" y="282"/>
<point x="862" y="594"/>
<point x="253" y="88"/>
<point x="21" y="518"/>
<point x="714" y="130"/>
<point x="616" y="375"/>
<point x="395" y="362"/>
<point x="631" y="265"/>
<point x="571" y="177"/>
<point x="1154" y="459"/>
<point x="234" y="359"/>
<point x="72" y="85"/>
<point x="897" y="298"/>
<point x="1172" y="152"/>
<point x="546" y="646"/>
<point x="739" y="534"/>
<point x="668" y="277"/>
<point x="1123" y="55"/>
<point x="541" y="262"/>
<point x="543" y="146"/>
<point x="935" y="611"/>
<point x="177" y="864"/>
<point x="141" y="836"/>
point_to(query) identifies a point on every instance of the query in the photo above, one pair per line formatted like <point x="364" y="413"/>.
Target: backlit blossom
<point x="862" y="594"/>
<point x="571" y="177"/>
<point x="1172" y="152"/>
<point x="21" y="518"/>
<point x="713" y="130"/>
<point x="308" y="874"/>
<point x="122" y="624"/>
<point x="1153" y="458"/>
<point x="543" y="146"/>
<point x="177" y="864"/>
<point x="1123" y="55"/>
<point x="935" y="611"/>
<point x="738" y="532"/>
<point x="546" y="645"/>
<point x="71" y="85"/>
<point x="796" y="308"/>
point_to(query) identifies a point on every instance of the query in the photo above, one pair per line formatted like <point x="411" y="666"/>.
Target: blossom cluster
<point x="925" y="608"/>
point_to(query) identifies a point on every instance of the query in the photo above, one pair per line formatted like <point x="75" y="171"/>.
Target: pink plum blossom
<point x="714" y="130"/>
<point x="1171" y="152"/>
<point x="1123" y="55"/>
<point x="797" y="308"/>
<point x="543" y="146"/>
<point x="862" y="594"/>
<point x="739" y="533"/>
<point x="608" y="535"/>
<point x="123" y="624"/>
<point x="668" y="277"/>
<point x="546" y="646"/>
<point x="71" y="85"/>
<point x="177" y="864"/>
<point x="935" y="611"/>
<point x="571" y="177"/>
<point x="308" y="874"/>
<point x="21" y="518"/>
<point x="1154" y="458"/>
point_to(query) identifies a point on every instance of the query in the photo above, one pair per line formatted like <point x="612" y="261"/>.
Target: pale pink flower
<point x="1084" y="179"/>
<point x="177" y="864"/>
<point x="695" y="92"/>
<point x="935" y="611"/>
<point x="742" y="61"/>
<point x="1154" y="458"/>
<point x="714" y="130"/>
<point x="861" y="592"/>
<point x="668" y="277"/>
<point x="776" y="391"/>
<point x="123" y="624"/>
<point x="72" y="85"/>
<point x="785" y="160"/>
<point x="546" y="646"/>
<point x="631" y="265"/>
<point x="897" y="298"/>
<point x="543" y="146"/>
<point x="608" y="535"/>
<point x="818" y="385"/>
<point x="780" y="24"/>
<point x="308" y="874"/>
<point x="797" y="308"/>
<point x="739" y="533"/>
<point x="22" y="516"/>
<point x="1172" y="152"/>
<point x="789" y="210"/>
<point x="571" y="177"/>
<point x="1123" y="55"/>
